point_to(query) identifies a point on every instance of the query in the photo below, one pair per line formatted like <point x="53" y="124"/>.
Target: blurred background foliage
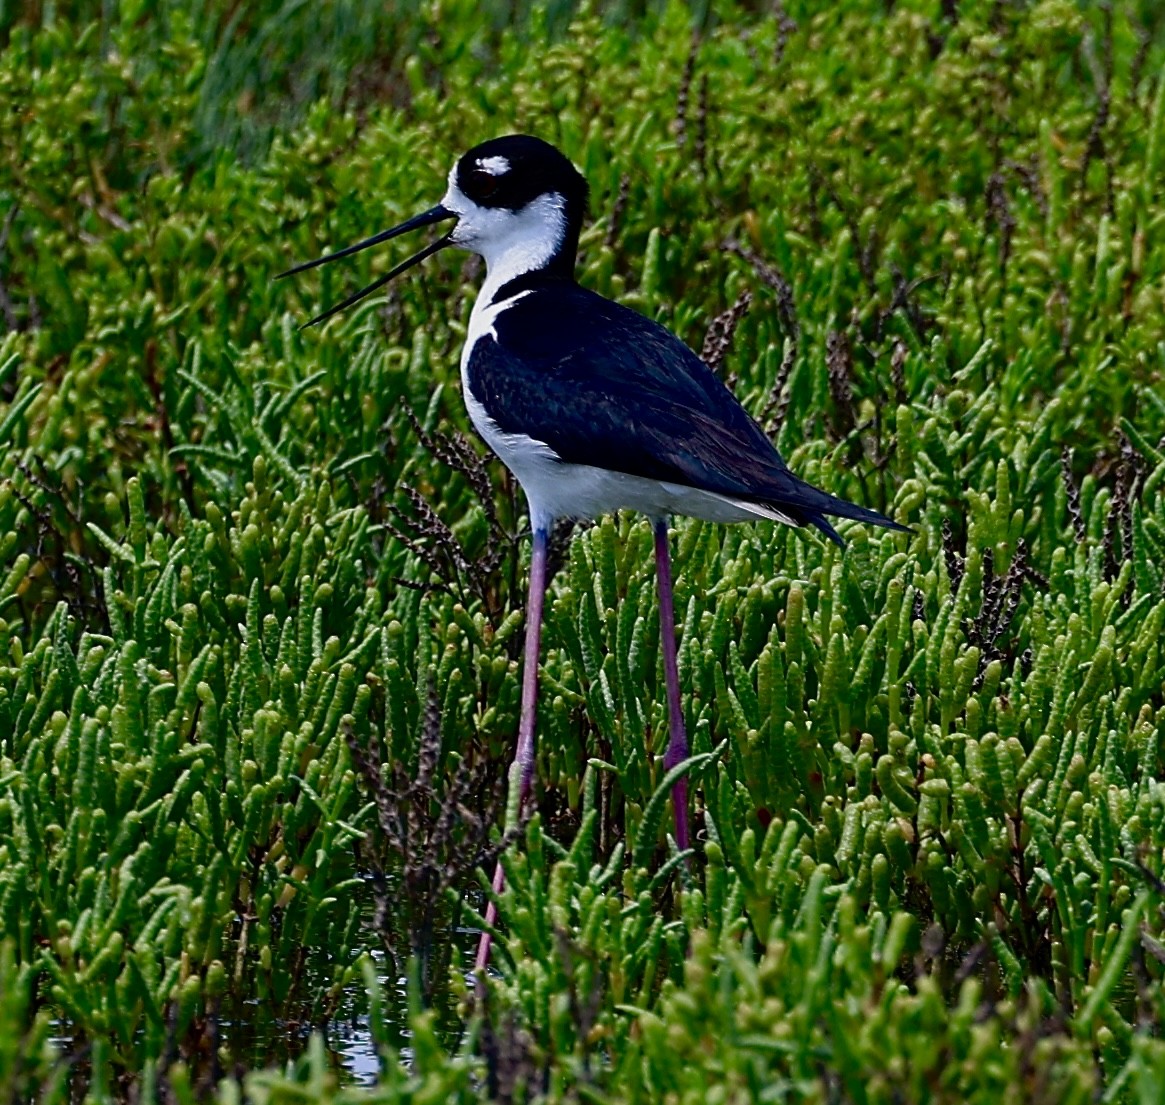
<point x="260" y="591"/>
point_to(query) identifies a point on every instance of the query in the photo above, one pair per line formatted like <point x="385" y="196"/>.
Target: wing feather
<point x="603" y="385"/>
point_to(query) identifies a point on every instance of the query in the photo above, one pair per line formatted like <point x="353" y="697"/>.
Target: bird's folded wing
<point x="602" y="385"/>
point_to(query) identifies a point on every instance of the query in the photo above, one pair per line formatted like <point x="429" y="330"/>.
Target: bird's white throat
<point x="512" y="243"/>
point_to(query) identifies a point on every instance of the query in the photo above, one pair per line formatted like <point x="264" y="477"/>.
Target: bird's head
<point x="517" y="201"/>
<point x="517" y="194"/>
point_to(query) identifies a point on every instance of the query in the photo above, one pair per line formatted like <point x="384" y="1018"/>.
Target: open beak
<point x="425" y="218"/>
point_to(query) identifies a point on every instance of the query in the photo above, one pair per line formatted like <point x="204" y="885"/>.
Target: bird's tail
<point x="812" y="505"/>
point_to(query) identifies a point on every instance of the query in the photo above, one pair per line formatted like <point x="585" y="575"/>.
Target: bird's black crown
<point x="511" y="171"/>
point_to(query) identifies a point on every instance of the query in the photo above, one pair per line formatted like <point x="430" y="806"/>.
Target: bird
<point x="592" y="406"/>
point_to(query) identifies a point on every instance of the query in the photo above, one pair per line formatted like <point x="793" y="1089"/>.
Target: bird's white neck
<point x="512" y="243"/>
<point x="525" y="241"/>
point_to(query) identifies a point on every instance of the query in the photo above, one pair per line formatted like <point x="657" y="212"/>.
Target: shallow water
<point x="259" y="1041"/>
<point x="242" y="1035"/>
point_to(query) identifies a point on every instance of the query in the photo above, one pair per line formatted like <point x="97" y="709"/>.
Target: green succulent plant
<point x="260" y="599"/>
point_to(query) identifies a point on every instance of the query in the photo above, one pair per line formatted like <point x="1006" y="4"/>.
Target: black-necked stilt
<point x="592" y="406"/>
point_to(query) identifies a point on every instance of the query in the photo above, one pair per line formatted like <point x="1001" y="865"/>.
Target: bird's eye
<point x="484" y="183"/>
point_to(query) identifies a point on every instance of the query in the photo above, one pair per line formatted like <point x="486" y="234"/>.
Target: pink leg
<point x="677" y="748"/>
<point x="524" y="754"/>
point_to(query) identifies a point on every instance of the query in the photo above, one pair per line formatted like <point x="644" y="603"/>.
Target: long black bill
<point x="425" y="218"/>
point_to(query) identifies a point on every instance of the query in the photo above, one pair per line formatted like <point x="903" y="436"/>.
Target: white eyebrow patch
<point x="495" y="166"/>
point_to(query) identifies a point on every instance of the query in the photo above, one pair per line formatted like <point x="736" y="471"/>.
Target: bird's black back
<point x="602" y="385"/>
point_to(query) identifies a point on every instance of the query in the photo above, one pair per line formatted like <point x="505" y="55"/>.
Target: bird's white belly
<point x="559" y="489"/>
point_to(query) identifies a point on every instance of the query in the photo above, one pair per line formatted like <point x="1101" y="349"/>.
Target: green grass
<point x="260" y="628"/>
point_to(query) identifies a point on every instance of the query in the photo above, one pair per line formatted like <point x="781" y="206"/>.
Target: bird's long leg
<point x="677" y="748"/>
<point x="522" y="769"/>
